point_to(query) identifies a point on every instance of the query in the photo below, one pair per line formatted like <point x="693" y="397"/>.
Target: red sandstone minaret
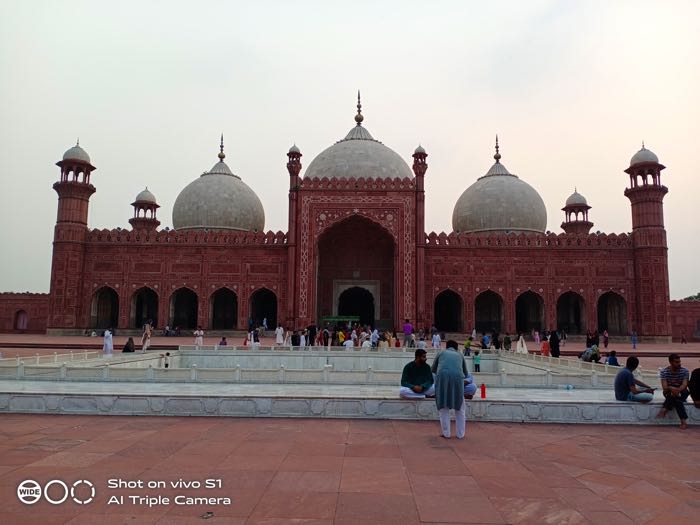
<point x="74" y="192"/>
<point x="145" y="207"/>
<point x="294" y="168"/>
<point x="576" y="214"/>
<point x="420" y="166"/>
<point x="646" y="193"/>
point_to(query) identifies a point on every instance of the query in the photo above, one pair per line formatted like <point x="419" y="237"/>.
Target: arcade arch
<point x="571" y="313"/>
<point x="612" y="314"/>
<point x="488" y="312"/>
<point x="263" y="305"/>
<point x="21" y="321"/>
<point x="104" y="312"/>
<point x="184" y="305"/>
<point x="448" y="312"/>
<point x="529" y="312"/>
<point x="223" y="309"/>
<point x="144" y="307"/>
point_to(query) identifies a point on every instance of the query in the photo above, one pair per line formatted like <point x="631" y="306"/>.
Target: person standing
<point x="407" y="331"/>
<point x="146" y="338"/>
<point x="674" y="382"/>
<point x="521" y="347"/>
<point x="107" y="345"/>
<point x="507" y="343"/>
<point x="437" y="342"/>
<point x="198" y="336"/>
<point x="554" y="343"/>
<point x="633" y="339"/>
<point x="279" y="335"/>
<point x="450" y="371"/>
<point x="606" y="338"/>
<point x="477" y="361"/>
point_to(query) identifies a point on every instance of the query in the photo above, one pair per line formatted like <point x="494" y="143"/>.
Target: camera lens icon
<point x="29" y="491"/>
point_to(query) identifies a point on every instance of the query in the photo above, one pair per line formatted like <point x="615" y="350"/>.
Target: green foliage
<point x="695" y="297"/>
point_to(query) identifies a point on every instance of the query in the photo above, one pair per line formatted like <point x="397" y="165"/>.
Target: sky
<point x="571" y="88"/>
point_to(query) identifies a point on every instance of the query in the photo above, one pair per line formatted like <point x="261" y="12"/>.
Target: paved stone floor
<point x="353" y="471"/>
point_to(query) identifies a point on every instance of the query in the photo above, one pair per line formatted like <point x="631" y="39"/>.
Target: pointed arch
<point x="144" y="307"/>
<point x="21" y="320"/>
<point x="263" y="305"/>
<point x="448" y="308"/>
<point x="104" y="311"/>
<point x="529" y="312"/>
<point x="612" y="313"/>
<point x="488" y="312"/>
<point x="571" y="313"/>
<point x="358" y="301"/>
<point x="223" y="309"/>
<point x="184" y="305"/>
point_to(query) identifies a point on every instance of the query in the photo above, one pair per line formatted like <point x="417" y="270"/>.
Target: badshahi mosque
<point x="498" y="269"/>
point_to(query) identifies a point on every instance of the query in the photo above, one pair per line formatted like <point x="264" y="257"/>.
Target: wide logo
<point x="81" y="491"/>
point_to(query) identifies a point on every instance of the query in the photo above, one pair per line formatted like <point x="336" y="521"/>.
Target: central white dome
<point x="358" y="156"/>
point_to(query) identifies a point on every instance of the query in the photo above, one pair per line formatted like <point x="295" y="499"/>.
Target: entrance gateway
<point x="360" y="298"/>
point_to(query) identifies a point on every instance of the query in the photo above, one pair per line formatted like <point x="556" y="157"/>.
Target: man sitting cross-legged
<point x="417" y="378"/>
<point x="626" y="384"/>
<point x="674" y="382"/>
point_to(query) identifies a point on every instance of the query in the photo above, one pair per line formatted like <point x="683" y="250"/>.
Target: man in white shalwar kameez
<point x="521" y="347"/>
<point x="108" y="346"/>
<point x="279" y="335"/>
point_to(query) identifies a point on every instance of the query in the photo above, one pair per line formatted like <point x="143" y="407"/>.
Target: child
<point x="477" y="361"/>
<point x="166" y="359"/>
<point x="468" y="346"/>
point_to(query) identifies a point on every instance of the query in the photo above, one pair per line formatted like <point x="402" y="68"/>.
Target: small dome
<point x="145" y="196"/>
<point x="419" y="150"/>
<point x="218" y="200"/>
<point x="576" y="199"/>
<point x="644" y="155"/>
<point x="499" y="201"/>
<point x="294" y="149"/>
<point x="77" y="153"/>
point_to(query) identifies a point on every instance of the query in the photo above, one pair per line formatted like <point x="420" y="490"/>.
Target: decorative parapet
<point x="208" y="237"/>
<point x="352" y="184"/>
<point x="525" y="240"/>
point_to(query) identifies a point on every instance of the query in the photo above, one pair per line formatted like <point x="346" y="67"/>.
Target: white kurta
<point x="108" y="346"/>
<point x="521" y="347"/>
<point x="198" y="334"/>
<point x="279" y="335"/>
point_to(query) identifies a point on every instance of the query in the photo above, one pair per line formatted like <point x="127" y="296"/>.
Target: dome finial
<point x="497" y="156"/>
<point x="359" y="118"/>
<point x="222" y="155"/>
<point x="643" y="144"/>
<point x="77" y="142"/>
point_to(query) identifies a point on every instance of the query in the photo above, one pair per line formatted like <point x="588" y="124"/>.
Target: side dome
<point x="77" y="153"/>
<point x="499" y="201"/>
<point x="145" y="196"/>
<point x="576" y="199"/>
<point x="218" y="200"/>
<point x="358" y="156"/>
<point x="642" y="156"/>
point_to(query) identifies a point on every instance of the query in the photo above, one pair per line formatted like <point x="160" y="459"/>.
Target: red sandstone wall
<point x="685" y="319"/>
<point x="36" y="306"/>
<point x="549" y="265"/>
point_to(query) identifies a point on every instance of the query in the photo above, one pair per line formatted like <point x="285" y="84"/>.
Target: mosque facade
<point x="498" y="269"/>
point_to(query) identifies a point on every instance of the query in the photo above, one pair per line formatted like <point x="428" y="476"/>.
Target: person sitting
<point x="367" y="343"/>
<point x="417" y="378"/>
<point x="626" y="384"/>
<point x="349" y="344"/>
<point x="507" y="343"/>
<point x="612" y="359"/>
<point x="674" y="382"/>
<point x="469" y="386"/>
<point x="223" y="341"/>
<point x="422" y="343"/>
<point x="129" y="346"/>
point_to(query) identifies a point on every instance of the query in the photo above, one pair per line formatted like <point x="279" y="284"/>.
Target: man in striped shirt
<point x="674" y="382"/>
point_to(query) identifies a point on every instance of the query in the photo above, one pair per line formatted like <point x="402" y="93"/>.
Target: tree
<point x="695" y="297"/>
